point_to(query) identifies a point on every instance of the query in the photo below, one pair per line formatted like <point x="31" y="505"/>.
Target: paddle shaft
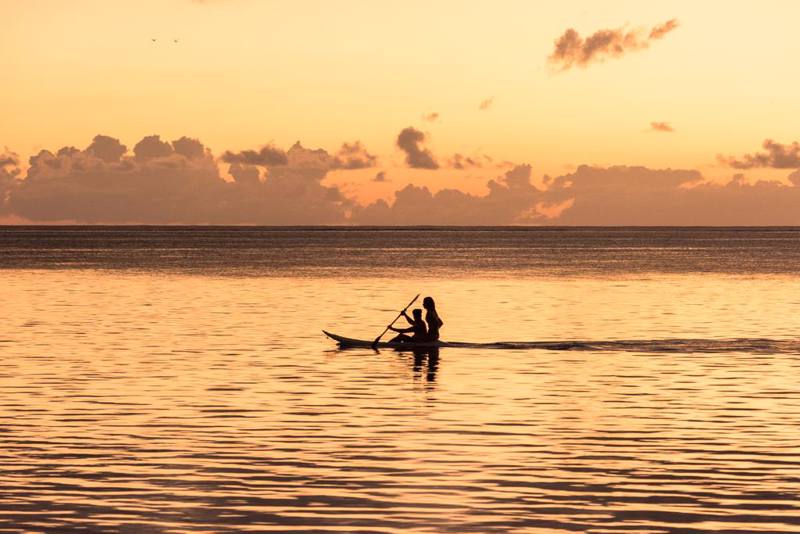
<point x="395" y="320"/>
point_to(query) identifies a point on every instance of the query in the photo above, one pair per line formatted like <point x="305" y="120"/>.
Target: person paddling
<point x="419" y="333"/>
<point x="432" y="318"/>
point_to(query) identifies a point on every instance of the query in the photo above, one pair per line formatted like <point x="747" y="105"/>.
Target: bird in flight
<point x="153" y="40"/>
<point x="175" y="41"/>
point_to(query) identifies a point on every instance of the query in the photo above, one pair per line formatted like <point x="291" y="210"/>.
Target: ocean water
<point x="177" y="380"/>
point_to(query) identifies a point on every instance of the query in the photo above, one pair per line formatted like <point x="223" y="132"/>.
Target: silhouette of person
<point x="417" y="329"/>
<point x="432" y="318"/>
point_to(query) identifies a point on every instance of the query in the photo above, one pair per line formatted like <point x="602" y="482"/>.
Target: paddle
<point x="377" y="339"/>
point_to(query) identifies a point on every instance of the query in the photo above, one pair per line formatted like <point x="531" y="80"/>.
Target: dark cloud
<point x="460" y="162"/>
<point x="350" y="156"/>
<point x="775" y="155"/>
<point x="486" y="104"/>
<point x="573" y="50"/>
<point x="431" y="117"/>
<point x="189" y="148"/>
<point x="179" y="185"/>
<point x="511" y="200"/>
<point x="661" y="127"/>
<point x="410" y="141"/>
<point x="354" y="156"/>
<point x="106" y="148"/>
<point x="67" y="151"/>
<point x="267" y="156"/>
<point x="380" y="177"/>
<point x="245" y="174"/>
<point x="152" y="147"/>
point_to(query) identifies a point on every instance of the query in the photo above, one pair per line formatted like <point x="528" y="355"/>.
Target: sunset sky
<point x="665" y="94"/>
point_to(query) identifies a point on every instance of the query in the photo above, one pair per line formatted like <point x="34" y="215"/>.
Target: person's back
<point x="420" y="331"/>
<point x="432" y="318"/>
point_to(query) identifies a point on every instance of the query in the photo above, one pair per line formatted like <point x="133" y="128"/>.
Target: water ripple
<point x="195" y="421"/>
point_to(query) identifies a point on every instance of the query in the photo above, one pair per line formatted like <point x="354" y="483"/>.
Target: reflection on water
<point x="182" y="403"/>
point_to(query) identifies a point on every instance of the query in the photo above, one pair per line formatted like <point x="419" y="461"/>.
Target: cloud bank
<point x="511" y="200"/>
<point x="572" y="50"/>
<point x="628" y="196"/>
<point x="174" y="182"/>
<point x="179" y="182"/>
<point x="775" y="155"/>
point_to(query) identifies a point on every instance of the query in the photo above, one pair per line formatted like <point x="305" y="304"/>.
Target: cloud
<point x="460" y="162"/>
<point x="350" y="156"/>
<point x="573" y="50"/>
<point x="9" y="171"/>
<point x="620" y="196"/>
<point x="189" y="148"/>
<point x="486" y="104"/>
<point x="267" y="155"/>
<point x="104" y="147"/>
<point x="776" y="156"/>
<point x="431" y="117"/>
<point x="8" y="159"/>
<point x="354" y="156"/>
<point x="178" y="182"/>
<point x="163" y="182"/>
<point x="152" y="147"/>
<point x="661" y="30"/>
<point x="511" y="200"/>
<point x="245" y="174"/>
<point x="661" y="127"/>
<point x="410" y="141"/>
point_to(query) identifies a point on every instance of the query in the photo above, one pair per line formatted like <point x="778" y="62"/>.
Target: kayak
<point x="349" y="342"/>
<point x="346" y="342"/>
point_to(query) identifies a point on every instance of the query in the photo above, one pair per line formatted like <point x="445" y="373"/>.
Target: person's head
<point x="428" y="303"/>
<point x="417" y="314"/>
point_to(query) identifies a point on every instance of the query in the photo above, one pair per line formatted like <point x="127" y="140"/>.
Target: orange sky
<point x="246" y="73"/>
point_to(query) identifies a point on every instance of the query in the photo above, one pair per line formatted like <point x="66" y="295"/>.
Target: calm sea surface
<point x="173" y="380"/>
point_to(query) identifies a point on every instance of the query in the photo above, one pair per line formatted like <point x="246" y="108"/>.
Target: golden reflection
<point x="215" y="403"/>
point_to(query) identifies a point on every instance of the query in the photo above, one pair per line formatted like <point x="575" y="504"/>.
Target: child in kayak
<point x="418" y="331"/>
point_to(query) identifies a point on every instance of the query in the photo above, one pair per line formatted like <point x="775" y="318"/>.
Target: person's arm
<point x="409" y="319"/>
<point x="401" y="330"/>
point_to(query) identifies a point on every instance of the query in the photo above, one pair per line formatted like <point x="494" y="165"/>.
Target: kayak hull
<point x="348" y="342"/>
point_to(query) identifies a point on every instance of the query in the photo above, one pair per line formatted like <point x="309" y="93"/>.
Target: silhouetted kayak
<point x="686" y="346"/>
<point x="350" y="342"/>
